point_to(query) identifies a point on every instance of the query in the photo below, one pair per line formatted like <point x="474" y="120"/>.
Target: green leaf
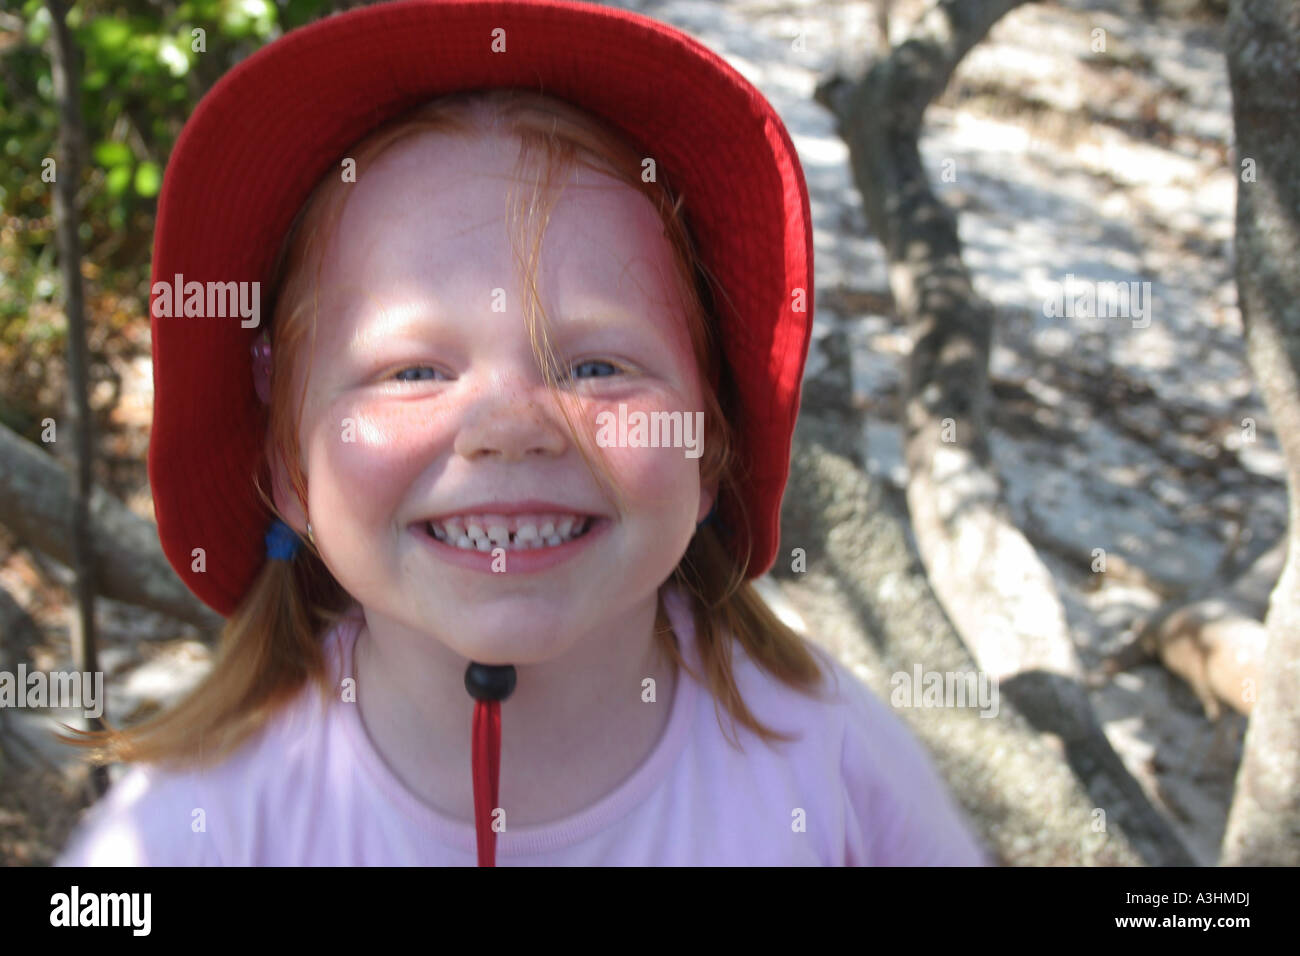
<point x="119" y="177"/>
<point x="38" y="28"/>
<point x="148" y="178"/>
<point x="108" y="34"/>
<point x="110" y="154"/>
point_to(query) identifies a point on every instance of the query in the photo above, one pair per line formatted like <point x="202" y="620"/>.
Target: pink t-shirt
<point x="310" y="789"/>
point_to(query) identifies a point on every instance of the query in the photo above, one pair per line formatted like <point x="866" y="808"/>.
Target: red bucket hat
<point x="274" y="124"/>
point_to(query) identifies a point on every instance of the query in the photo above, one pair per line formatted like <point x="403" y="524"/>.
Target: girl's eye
<point x="403" y="377"/>
<point x="609" y="365"/>
<point x="424" y="373"/>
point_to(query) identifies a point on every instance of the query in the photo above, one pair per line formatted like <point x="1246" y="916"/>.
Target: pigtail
<point x="269" y="649"/>
<point x="726" y="606"/>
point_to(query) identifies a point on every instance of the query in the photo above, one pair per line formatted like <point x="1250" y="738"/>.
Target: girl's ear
<point x="707" y="497"/>
<point x="282" y="490"/>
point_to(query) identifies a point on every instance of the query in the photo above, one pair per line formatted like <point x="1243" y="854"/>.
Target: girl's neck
<point x="575" y="727"/>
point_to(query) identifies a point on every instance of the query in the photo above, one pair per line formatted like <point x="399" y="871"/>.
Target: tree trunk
<point x="1036" y="799"/>
<point x="18" y="630"/>
<point x="1263" y="48"/>
<point x="1216" y="641"/>
<point x="992" y="585"/>
<point x="35" y="497"/>
<point x="989" y="578"/>
<point x="65" y="72"/>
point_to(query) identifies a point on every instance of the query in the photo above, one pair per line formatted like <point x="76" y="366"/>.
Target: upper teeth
<point x="484" y="532"/>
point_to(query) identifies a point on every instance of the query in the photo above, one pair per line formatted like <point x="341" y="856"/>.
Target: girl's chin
<point x="518" y="654"/>
<point x="533" y="639"/>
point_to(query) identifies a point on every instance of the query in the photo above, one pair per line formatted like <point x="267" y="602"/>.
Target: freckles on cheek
<point x="374" y="447"/>
<point x="653" y="476"/>
<point x="649" y="475"/>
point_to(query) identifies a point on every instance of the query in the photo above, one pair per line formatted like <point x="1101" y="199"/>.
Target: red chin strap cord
<point x="488" y="684"/>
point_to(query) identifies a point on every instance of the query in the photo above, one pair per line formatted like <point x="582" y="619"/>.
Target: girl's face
<point x="425" y="400"/>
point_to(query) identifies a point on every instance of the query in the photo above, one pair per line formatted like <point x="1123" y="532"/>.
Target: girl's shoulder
<point x="840" y="710"/>
<point x="900" y="810"/>
<point x="156" y="815"/>
<point x="851" y="743"/>
<point x="148" y="817"/>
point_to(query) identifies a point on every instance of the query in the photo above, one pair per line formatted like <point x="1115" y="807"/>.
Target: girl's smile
<point x="514" y="554"/>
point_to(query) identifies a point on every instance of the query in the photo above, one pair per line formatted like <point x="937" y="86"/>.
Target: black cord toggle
<point x="490" y="681"/>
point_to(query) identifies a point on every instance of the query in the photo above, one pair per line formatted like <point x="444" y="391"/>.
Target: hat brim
<point x="263" y="136"/>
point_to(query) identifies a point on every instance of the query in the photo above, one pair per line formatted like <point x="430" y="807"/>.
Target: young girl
<point x="516" y="429"/>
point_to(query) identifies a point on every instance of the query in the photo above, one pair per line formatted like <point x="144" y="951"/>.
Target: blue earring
<point x="711" y="517"/>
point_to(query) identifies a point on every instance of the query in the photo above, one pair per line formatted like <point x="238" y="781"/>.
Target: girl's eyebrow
<point x="614" y="316"/>
<point x="595" y="322"/>
<point x="613" y="321"/>
<point x="393" y="321"/>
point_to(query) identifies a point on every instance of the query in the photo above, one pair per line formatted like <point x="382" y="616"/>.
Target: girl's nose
<point x="510" y="428"/>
